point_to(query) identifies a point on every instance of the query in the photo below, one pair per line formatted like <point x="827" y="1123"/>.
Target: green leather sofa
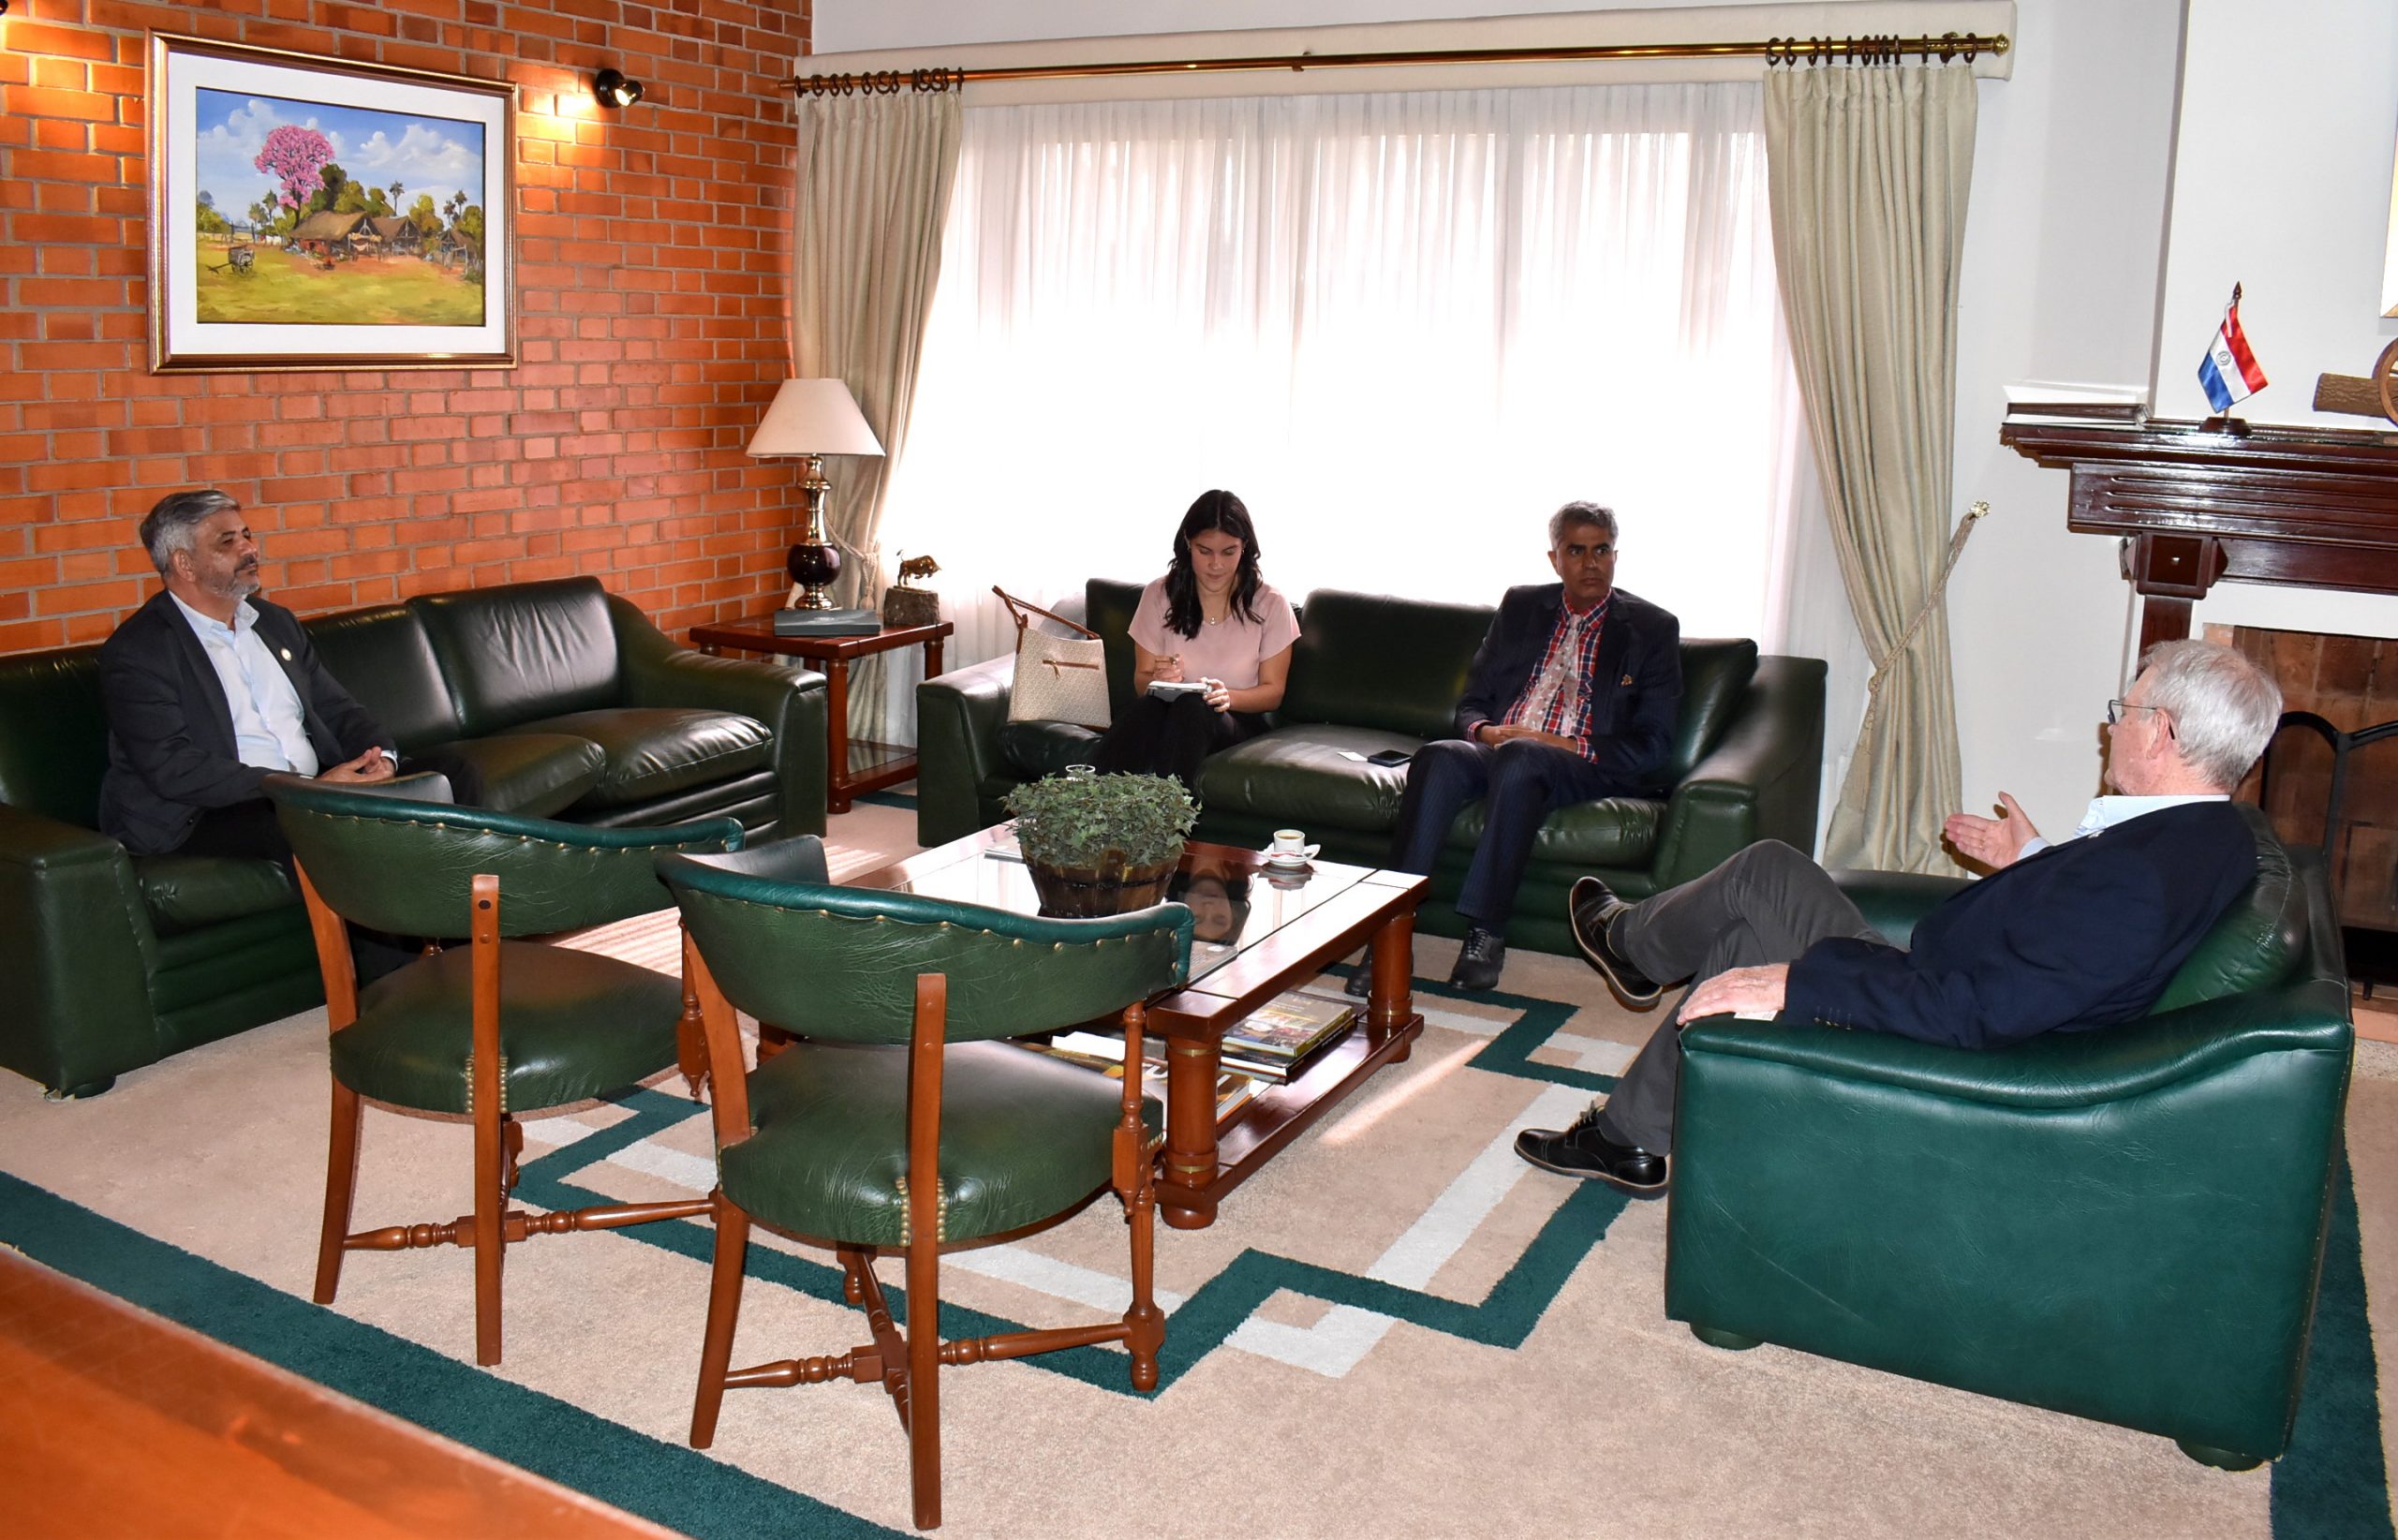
<point x="1371" y="673"/>
<point x="568" y="702"/>
<point x="2124" y="1224"/>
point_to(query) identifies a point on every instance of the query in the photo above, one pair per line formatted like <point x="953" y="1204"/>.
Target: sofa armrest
<point x="1760" y="782"/>
<point x="78" y="950"/>
<point x="790" y="701"/>
<point x="960" y="773"/>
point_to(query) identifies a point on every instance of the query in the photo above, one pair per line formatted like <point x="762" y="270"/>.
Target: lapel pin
<point x="287" y="657"/>
<point x="1626" y="679"/>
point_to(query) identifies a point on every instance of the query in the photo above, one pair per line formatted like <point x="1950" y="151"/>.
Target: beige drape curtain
<point x="870" y="195"/>
<point x="1867" y="173"/>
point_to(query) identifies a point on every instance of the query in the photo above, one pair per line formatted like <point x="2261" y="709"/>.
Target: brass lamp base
<point x="815" y="561"/>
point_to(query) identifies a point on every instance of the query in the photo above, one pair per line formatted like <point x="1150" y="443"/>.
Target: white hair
<point x="2224" y="706"/>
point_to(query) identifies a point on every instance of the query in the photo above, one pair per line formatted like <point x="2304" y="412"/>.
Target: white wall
<point x="2290" y="196"/>
<point x="2061" y="279"/>
<point x="843" y="25"/>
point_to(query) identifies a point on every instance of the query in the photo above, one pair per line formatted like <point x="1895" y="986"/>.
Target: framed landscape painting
<point x="311" y="214"/>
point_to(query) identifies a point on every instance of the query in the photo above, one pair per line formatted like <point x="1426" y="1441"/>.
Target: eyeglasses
<point x="2115" y="710"/>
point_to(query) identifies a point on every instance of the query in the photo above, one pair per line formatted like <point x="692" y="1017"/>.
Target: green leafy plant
<point x="1091" y="822"/>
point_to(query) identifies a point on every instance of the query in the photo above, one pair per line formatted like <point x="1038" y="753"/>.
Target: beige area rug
<point x="1396" y="1329"/>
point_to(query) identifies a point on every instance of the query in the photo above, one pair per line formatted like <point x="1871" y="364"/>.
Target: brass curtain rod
<point x="1773" y="50"/>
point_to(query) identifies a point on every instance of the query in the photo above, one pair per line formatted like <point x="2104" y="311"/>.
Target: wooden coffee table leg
<point x="1391" y="1004"/>
<point x="1190" y="1136"/>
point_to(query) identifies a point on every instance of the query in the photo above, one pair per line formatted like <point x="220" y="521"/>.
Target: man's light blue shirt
<point x="2106" y="812"/>
<point x="270" y="730"/>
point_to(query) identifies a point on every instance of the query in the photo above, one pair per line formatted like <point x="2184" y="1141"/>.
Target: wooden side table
<point x="851" y="767"/>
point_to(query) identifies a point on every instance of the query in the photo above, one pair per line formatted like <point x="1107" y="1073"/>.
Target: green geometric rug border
<point x="2333" y="1483"/>
<point x="1213" y="1313"/>
<point x="668" y="1483"/>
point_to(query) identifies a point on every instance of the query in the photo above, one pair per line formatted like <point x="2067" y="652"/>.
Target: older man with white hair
<point x="2067" y="937"/>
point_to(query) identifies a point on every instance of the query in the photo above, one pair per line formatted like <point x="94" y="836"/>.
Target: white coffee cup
<point x="1290" y="842"/>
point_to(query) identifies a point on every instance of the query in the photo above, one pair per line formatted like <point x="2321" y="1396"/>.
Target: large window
<point x="1403" y="328"/>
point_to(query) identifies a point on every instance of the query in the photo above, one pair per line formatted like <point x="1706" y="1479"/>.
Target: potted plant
<point x="1101" y="844"/>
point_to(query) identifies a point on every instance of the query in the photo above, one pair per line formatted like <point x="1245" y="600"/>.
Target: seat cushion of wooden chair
<point x="573" y="1025"/>
<point x="1024" y="1137"/>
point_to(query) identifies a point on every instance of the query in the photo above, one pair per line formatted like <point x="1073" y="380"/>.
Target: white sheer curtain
<point x="1402" y="328"/>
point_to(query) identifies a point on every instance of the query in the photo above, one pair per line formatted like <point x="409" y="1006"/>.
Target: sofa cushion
<point x="523" y="651"/>
<point x="382" y="657"/>
<point x="1296" y="774"/>
<point x="1619" y="832"/>
<point x="1394" y="664"/>
<point x="1107" y="609"/>
<point x="188" y="892"/>
<point x="655" y="751"/>
<point x="55" y="744"/>
<point x="1715" y="676"/>
<point x="1034" y="749"/>
<point x="540" y="775"/>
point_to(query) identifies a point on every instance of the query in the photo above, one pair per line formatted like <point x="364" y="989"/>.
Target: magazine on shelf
<point x="1104" y="1055"/>
<point x="1290" y="1027"/>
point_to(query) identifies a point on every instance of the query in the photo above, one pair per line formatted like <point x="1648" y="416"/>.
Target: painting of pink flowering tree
<point x="354" y="210"/>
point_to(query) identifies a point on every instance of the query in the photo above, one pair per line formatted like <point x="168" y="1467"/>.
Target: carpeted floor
<point x="1397" y="1328"/>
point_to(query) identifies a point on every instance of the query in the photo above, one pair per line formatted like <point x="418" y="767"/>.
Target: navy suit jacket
<point x="2083" y="934"/>
<point x="171" y="753"/>
<point x="1635" y="694"/>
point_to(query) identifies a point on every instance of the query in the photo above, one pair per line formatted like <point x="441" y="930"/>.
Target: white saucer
<point x="1301" y="859"/>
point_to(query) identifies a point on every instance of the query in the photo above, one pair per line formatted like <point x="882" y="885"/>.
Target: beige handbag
<point x="1058" y="678"/>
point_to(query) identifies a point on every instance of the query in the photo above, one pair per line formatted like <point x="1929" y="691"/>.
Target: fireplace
<point x="2343" y="799"/>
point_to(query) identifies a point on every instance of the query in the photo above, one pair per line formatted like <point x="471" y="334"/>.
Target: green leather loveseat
<point x="568" y="702"/>
<point x="1371" y="673"/>
<point x="2125" y="1224"/>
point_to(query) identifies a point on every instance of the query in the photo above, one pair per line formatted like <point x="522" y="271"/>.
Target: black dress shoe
<point x="1361" y="982"/>
<point x="1480" y="960"/>
<point x="1590" y="908"/>
<point x="1582" y="1150"/>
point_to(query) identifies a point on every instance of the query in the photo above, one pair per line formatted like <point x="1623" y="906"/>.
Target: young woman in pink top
<point x="1211" y="621"/>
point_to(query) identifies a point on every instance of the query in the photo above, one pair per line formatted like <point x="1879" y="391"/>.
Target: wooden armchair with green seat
<point x="494" y="1030"/>
<point x="899" y="1125"/>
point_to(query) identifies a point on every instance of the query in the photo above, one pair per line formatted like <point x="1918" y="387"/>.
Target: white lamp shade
<point x="813" y="416"/>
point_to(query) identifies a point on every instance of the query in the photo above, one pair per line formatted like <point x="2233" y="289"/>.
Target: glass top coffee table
<point x="1261" y="929"/>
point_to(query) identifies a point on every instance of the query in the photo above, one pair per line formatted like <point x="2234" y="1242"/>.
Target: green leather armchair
<point x="1371" y="673"/>
<point x="2126" y="1225"/>
<point x="900" y="1125"/>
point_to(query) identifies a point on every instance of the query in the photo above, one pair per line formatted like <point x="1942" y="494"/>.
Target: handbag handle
<point x="1017" y="606"/>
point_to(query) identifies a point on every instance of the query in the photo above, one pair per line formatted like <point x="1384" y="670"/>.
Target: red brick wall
<point x="651" y="245"/>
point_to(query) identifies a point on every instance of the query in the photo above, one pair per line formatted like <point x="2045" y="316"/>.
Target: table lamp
<point x="814" y="418"/>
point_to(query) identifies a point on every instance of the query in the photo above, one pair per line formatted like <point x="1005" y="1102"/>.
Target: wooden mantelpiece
<point x="2309" y="508"/>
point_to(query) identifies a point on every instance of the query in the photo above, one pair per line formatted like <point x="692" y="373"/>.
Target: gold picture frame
<point x="315" y="214"/>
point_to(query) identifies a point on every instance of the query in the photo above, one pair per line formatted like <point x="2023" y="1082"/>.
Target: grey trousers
<point x="1766" y="905"/>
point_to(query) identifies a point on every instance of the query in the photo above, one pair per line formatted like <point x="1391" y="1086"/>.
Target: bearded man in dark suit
<point x="1573" y="695"/>
<point x="209" y="690"/>
<point x="2076" y="936"/>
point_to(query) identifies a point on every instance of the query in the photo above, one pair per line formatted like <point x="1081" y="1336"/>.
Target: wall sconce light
<point x="608" y="85"/>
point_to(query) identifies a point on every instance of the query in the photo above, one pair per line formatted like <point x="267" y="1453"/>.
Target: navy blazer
<point x="2083" y="934"/>
<point x="172" y="752"/>
<point x="1635" y="698"/>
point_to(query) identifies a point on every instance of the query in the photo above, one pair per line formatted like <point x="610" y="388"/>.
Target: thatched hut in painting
<point x="328" y="235"/>
<point x="395" y="236"/>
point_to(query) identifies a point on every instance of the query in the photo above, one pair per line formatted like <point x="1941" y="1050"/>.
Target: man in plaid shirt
<point x="1573" y="696"/>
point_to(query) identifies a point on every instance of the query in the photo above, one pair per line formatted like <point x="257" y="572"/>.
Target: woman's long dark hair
<point x="1214" y="511"/>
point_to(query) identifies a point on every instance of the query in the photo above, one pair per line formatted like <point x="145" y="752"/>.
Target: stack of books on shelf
<point x="1281" y="1038"/>
<point x="1104" y="1054"/>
